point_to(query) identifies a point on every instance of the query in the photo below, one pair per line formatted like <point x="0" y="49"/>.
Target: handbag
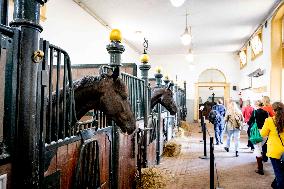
<point x="239" y="123"/>
<point x="255" y="136"/>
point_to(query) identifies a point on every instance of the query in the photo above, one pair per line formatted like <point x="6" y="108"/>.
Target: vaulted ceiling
<point x="217" y="25"/>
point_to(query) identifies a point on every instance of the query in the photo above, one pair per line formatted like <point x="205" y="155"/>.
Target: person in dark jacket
<point x="259" y="115"/>
<point x="219" y="123"/>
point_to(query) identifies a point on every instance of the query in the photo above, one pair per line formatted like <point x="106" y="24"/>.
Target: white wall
<point x="71" y="28"/>
<point x="177" y="64"/>
<point x="263" y="62"/>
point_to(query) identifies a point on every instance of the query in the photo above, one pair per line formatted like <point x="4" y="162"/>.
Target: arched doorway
<point x="214" y="83"/>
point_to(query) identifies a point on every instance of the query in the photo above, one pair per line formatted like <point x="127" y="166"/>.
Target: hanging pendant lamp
<point x="186" y="36"/>
<point x="177" y="3"/>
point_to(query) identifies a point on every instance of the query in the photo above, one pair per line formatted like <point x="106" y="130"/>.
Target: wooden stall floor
<point x="191" y="172"/>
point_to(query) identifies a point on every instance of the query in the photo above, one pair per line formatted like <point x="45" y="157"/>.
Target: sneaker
<point x="221" y="142"/>
<point x="227" y="149"/>
<point x="217" y="143"/>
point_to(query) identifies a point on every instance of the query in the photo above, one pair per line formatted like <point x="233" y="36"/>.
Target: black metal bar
<point x="212" y="158"/>
<point x="11" y="91"/>
<point x="43" y="101"/>
<point x="203" y="125"/>
<point x="64" y="130"/>
<point x="72" y="111"/>
<point x="50" y="134"/>
<point x="202" y="122"/>
<point x="158" y="150"/>
<point x="204" y="139"/>
<point x="58" y="125"/>
<point x="26" y="157"/>
<point x="4" y="6"/>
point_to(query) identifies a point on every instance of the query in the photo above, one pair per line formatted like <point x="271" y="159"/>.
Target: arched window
<point x="212" y="75"/>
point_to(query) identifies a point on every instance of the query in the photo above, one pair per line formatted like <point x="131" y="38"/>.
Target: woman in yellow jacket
<point x="274" y="128"/>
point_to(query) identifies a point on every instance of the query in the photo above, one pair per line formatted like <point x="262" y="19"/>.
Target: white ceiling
<point x="217" y="25"/>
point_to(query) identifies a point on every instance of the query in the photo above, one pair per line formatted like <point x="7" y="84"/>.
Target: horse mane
<point x="85" y="81"/>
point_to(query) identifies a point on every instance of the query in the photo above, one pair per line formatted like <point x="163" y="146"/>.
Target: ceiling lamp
<point x="186" y="36"/>
<point x="189" y="56"/>
<point x="177" y="3"/>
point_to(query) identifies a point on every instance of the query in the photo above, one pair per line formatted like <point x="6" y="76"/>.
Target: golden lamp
<point x="158" y="69"/>
<point x="115" y="35"/>
<point x="144" y="58"/>
<point x="167" y="77"/>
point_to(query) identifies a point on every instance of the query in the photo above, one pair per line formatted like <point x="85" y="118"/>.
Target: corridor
<point x="191" y="172"/>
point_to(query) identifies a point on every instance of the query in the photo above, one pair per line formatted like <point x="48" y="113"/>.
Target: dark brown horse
<point x="164" y="96"/>
<point x="105" y="93"/>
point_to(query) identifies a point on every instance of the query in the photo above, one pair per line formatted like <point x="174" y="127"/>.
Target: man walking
<point x="219" y="123"/>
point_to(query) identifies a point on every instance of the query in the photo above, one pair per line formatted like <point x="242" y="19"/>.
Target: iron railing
<point x="136" y="94"/>
<point x="60" y="111"/>
<point x="9" y="47"/>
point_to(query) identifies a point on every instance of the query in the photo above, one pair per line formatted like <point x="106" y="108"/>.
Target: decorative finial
<point x="115" y="35"/>
<point x="158" y="69"/>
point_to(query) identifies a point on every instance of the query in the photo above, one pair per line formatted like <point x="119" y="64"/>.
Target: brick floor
<point x="191" y="172"/>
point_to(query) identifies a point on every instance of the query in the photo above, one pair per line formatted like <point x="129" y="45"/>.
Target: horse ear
<point x="115" y="73"/>
<point x="170" y="85"/>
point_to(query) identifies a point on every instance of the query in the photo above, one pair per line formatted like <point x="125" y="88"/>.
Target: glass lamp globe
<point x="177" y="3"/>
<point x="186" y="37"/>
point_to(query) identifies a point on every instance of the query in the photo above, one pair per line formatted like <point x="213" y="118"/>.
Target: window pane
<point x="256" y="45"/>
<point x="243" y="57"/>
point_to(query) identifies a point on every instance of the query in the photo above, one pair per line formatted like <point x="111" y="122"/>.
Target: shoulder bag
<point x="255" y="136"/>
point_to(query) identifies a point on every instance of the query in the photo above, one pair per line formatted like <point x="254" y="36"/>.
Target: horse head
<point x="106" y="93"/>
<point x="164" y="96"/>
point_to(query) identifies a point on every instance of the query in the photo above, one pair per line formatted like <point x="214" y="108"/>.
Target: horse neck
<point x="156" y="98"/>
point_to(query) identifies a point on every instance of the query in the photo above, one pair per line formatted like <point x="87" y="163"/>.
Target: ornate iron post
<point x="168" y="118"/>
<point x="158" y="77"/>
<point x="176" y="95"/>
<point x="4" y="5"/>
<point x="26" y="155"/>
<point x="184" y="105"/>
<point x="115" y="49"/>
<point x="145" y="67"/>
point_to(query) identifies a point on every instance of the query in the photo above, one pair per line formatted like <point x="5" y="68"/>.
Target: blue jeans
<point x="278" y="171"/>
<point x="218" y="130"/>
<point x="236" y="134"/>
